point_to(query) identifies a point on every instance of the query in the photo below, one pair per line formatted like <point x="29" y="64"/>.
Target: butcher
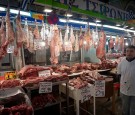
<point x="126" y="72"/>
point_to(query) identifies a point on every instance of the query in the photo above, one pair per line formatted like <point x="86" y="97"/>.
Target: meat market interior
<point x="60" y="56"/>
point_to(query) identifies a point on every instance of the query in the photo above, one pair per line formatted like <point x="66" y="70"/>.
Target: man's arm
<point x="118" y="72"/>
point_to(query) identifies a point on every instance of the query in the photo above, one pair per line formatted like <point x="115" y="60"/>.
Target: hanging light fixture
<point x="47" y="10"/>
<point x="97" y="20"/>
<point x="68" y="15"/>
<point x="118" y="25"/>
<point x="126" y="44"/>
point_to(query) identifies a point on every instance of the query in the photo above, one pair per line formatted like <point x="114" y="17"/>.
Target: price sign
<point x="10" y="49"/>
<point x="10" y="75"/>
<point x="45" y="87"/>
<point x="44" y="73"/>
<point x="100" y="88"/>
<point x="85" y="94"/>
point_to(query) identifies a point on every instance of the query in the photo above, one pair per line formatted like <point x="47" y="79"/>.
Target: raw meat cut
<point x="95" y="38"/>
<point x="67" y="42"/>
<point x="121" y="44"/>
<point x="116" y="42"/>
<point x="100" y="51"/>
<point x="30" y="70"/>
<point x="2" y="40"/>
<point x="111" y="43"/>
<point x="87" y="39"/>
<point x="36" y="32"/>
<point x="61" y="42"/>
<point x="27" y="42"/>
<point x="20" y="36"/>
<point x="42" y="100"/>
<point x="10" y="83"/>
<point x="9" y="34"/>
<point x="43" y="34"/>
<point x="54" y="46"/>
<point x="76" y="43"/>
<point x="72" y="37"/>
<point x="77" y="83"/>
<point x="81" y="38"/>
<point x="9" y="30"/>
<point x="22" y="109"/>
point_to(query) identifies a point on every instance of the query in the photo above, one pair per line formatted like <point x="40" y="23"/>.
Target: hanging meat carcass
<point x="67" y="41"/>
<point x="81" y="36"/>
<point x="121" y="44"/>
<point x="51" y="34"/>
<point x="100" y="51"/>
<point x="26" y="29"/>
<point x="116" y="42"/>
<point x="36" y="32"/>
<point x="29" y="43"/>
<point x="76" y="43"/>
<point x="95" y="38"/>
<point x="111" y="43"/>
<point x="87" y="39"/>
<point x="54" y="46"/>
<point x="9" y="34"/>
<point x="61" y="41"/>
<point x="72" y="37"/>
<point x="21" y="37"/>
<point x="9" y="30"/>
<point x="43" y="35"/>
<point x="2" y="39"/>
<point x="133" y="41"/>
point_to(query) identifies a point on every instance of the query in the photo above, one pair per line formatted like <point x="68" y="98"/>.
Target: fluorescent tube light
<point x="62" y="20"/>
<point x="132" y="28"/>
<point x="98" y="20"/>
<point x="118" y="25"/>
<point x="126" y="44"/>
<point x="94" y="24"/>
<point x="2" y="9"/>
<point x="47" y="10"/>
<point x="106" y="43"/>
<point x="113" y="27"/>
<point x="69" y="15"/>
<point x="25" y="13"/>
<point x="21" y="12"/>
<point x="84" y="42"/>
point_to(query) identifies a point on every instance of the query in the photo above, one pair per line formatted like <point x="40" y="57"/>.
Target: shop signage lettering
<point x="100" y="7"/>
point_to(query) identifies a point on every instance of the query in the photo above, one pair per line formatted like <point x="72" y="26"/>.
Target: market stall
<point x="54" y="58"/>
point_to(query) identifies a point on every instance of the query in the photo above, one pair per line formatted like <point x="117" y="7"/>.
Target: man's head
<point x="130" y="52"/>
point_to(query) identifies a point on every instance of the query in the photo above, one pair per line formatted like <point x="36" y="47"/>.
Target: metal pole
<point x="94" y="101"/>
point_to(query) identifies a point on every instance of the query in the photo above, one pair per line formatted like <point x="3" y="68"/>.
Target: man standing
<point x="126" y="69"/>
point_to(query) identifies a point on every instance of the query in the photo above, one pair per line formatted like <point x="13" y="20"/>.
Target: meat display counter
<point x="15" y="101"/>
<point x="40" y="101"/>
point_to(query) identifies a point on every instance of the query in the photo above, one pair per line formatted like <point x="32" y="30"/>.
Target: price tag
<point x="10" y="49"/>
<point x="100" y="88"/>
<point x="45" y="87"/>
<point x="85" y="94"/>
<point x="10" y="75"/>
<point x="44" y="73"/>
